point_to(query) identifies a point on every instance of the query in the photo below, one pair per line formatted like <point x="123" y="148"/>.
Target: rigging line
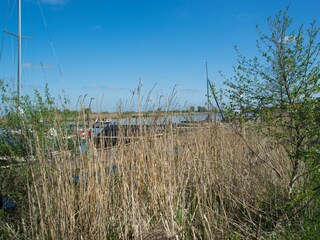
<point x="24" y="66"/>
<point x="51" y="40"/>
<point x="5" y="26"/>
<point x="13" y="7"/>
<point x="245" y="141"/>
<point x="14" y="57"/>
<point x="2" y="44"/>
<point x="44" y="74"/>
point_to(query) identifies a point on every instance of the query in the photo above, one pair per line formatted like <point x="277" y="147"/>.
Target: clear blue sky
<point x="103" y="47"/>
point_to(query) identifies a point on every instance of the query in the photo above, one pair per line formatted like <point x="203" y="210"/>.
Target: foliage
<point x="279" y="89"/>
<point x="28" y="118"/>
<point x="201" y="109"/>
<point x="192" y="108"/>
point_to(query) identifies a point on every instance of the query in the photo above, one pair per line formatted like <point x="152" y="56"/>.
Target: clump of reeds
<point x="197" y="183"/>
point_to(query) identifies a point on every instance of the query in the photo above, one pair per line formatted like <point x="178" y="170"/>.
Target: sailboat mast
<point x="208" y="91"/>
<point x="19" y="50"/>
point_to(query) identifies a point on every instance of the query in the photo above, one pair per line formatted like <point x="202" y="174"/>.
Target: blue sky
<point x="103" y="47"/>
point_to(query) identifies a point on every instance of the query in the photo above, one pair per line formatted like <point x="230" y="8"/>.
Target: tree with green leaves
<point x="24" y="118"/>
<point x="281" y="88"/>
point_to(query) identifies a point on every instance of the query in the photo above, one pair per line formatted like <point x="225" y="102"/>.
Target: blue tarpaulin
<point x="7" y="203"/>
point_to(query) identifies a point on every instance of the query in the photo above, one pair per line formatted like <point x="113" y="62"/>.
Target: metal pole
<point x="19" y="50"/>
<point x="209" y="86"/>
<point x="216" y="100"/>
<point x="89" y="112"/>
<point x="208" y="92"/>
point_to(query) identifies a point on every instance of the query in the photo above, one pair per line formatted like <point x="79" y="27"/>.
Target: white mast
<point x="19" y="50"/>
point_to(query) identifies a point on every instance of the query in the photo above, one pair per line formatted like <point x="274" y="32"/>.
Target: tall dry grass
<point x="201" y="183"/>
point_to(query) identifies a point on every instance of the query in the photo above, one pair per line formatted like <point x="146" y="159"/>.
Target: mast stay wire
<point x="43" y="72"/>
<point x="7" y="19"/>
<point x="51" y="40"/>
<point x="8" y="16"/>
<point x="241" y="135"/>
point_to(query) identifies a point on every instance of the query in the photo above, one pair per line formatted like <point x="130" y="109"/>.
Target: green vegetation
<point x="281" y="89"/>
<point x="199" y="109"/>
<point x="255" y="177"/>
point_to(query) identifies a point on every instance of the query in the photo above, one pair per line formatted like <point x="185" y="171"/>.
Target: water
<point x="174" y="119"/>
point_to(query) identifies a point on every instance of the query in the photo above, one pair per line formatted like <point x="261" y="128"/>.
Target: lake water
<point x="174" y="119"/>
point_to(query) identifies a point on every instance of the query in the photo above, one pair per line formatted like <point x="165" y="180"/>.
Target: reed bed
<point x="203" y="183"/>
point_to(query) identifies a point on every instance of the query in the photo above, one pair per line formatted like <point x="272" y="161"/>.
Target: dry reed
<point x="202" y="183"/>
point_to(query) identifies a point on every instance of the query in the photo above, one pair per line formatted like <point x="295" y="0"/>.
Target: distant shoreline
<point x="143" y="114"/>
